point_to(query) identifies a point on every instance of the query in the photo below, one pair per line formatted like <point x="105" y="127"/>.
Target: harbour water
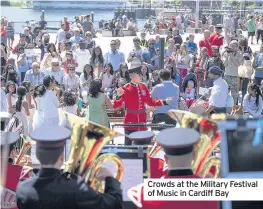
<point x="19" y="16"/>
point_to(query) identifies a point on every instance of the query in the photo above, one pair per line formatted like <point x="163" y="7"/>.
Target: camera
<point x="229" y="50"/>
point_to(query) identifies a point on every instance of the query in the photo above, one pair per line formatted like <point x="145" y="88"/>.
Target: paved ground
<point x="126" y="45"/>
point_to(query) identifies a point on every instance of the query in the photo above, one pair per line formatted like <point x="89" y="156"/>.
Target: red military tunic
<point x="216" y="40"/>
<point x="13" y="174"/>
<point x="135" y="98"/>
<point x="158" y="167"/>
<point x="136" y="195"/>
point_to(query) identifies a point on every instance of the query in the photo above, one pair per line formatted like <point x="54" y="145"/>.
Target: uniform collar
<point x="181" y="172"/>
<point x="49" y="172"/>
<point x="134" y="84"/>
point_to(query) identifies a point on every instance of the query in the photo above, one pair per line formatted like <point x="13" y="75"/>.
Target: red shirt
<point x="135" y="99"/>
<point x="216" y="40"/>
<point x="206" y="43"/>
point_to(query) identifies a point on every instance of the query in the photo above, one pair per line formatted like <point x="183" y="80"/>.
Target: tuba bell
<point x="87" y="141"/>
<point x="203" y="162"/>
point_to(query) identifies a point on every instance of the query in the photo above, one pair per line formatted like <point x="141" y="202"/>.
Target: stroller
<point x="192" y="94"/>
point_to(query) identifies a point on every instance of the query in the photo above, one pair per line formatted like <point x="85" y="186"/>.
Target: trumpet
<point x="87" y="141"/>
<point x="209" y="140"/>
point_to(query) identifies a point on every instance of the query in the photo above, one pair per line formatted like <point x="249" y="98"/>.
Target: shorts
<point x="12" y="37"/>
<point x="251" y="33"/>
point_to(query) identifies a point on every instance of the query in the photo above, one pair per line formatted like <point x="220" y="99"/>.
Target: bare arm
<point x="25" y="105"/>
<point x="108" y="102"/>
<point x="9" y="104"/>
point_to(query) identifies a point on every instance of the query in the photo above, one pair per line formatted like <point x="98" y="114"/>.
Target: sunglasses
<point x="112" y="44"/>
<point x="151" y="43"/>
<point x="71" y="69"/>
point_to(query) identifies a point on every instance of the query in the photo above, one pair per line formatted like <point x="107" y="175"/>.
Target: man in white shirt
<point x="55" y="71"/>
<point x="61" y="35"/>
<point x="219" y="92"/>
<point x="135" y="56"/>
<point x="82" y="57"/>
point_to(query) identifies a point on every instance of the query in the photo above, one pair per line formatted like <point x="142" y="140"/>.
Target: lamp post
<point x="197" y="15"/>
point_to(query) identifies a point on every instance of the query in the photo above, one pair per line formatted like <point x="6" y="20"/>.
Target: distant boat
<point x="88" y="4"/>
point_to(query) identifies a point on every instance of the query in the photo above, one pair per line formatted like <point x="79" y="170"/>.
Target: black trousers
<point x="127" y="140"/>
<point x="219" y="110"/>
<point x="162" y="118"/>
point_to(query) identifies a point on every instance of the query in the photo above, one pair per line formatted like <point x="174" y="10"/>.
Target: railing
<point x="52" y="26"/>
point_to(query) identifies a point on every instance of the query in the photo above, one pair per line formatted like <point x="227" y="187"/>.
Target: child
<point x="189" y="93"/>
<point x="70" y="103"/>
<point x="252" y="102"/>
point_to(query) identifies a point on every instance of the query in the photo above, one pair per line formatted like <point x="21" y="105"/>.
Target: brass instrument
<point x="22" y="158"/>
<point x="209" y="140"/>
<point x="87" y="141"/>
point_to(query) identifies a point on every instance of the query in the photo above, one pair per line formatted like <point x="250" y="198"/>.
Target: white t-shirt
<point x="229" y="101"/>
<point x="219" y="93"/>
<point x="82" y="58"/>
<point x="106" y="81"/>
<point x="61" y="36"/>
<point x="3" y="101"/>
<point x="71" y="109"/>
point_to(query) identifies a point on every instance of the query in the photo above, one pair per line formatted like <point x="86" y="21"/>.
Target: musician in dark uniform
<point x="156" y="161"/>
<point x="52" y="190"/>
<point x="179" y="155"/>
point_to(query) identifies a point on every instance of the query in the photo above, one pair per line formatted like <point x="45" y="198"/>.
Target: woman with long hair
<point x="97" y="61"/>
<point x="30" y="101"/>
<point x="107" y="80"/>
<point x="85" y="79"/>
<point x="123" y="72"/>
<point x="146" y="76"/>
<point x="182" y="59"/>
<point x="46" y="103"/>
<point x="97" y="102"/>
<point x="252" y="102"/>
<point x="51" y="53"/>
<point x="11" y="97"/>
<point x="22" y="109"/>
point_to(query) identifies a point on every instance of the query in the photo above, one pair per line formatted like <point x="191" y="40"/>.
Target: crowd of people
<point x="72" y="73"/>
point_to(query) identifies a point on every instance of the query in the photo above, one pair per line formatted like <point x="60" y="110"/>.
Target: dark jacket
<point x="51" y="190"/>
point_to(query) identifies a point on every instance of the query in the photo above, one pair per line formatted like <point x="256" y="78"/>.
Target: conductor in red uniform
<point x="156" y="162"/>
<point x="216" y="38"/>
<point x="178" y="144"/>
<point x="136" y="96"/>
<point x="12" y="172"/>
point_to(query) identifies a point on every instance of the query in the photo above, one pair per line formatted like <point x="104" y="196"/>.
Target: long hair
<point x="95" y="88"/>
<point x="93" y="56"/>
<point x="39" y="91"/>
<point x="110" y="66"/>
<point x="85" y="72"/>
<point x="21" y="93"/>
<point x="51" y="45"/>
<point x="47" y="80"/>
<point x="12" y="76"/>
<point x="253" y="86"/>
<point x="9" y="83"/>
<point x="27" y="85"/>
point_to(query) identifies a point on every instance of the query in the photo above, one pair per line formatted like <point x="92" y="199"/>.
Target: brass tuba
<point x="209" y="140"/>
<point x="87" y="141"/>
<point x="22" y="158"/>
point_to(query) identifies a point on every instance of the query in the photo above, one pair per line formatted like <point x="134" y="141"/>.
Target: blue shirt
<point x="148" y="55"/>
<point x="115" y="58"/>
<point x="164" y="90"/>
<point x="75" y="39"/>
<point x="259" y="63"/>
<point x="35" y="79"/>
<point x="192" y="47"/>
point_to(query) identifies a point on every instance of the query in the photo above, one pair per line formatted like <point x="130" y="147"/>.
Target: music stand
<point x="239" y="157"/>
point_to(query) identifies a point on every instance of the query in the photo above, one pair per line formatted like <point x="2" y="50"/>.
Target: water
<point x="20" y="16"/>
